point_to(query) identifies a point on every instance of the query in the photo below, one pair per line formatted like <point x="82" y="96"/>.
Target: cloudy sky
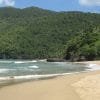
<point x="57" y="5"/>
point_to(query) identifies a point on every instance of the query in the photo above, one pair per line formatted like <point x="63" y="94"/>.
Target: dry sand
<point x="81" y="86"/>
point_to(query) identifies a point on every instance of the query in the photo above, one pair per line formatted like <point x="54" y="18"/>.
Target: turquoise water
<point x="25" y="69"/>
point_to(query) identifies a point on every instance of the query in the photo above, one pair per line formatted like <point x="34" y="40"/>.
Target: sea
<point x="13" y="71"/>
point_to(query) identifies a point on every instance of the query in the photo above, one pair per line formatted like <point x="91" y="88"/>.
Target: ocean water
<point x="35" y="69"/>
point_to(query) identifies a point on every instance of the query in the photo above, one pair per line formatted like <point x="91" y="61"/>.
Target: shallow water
<point x="14" y="70"/>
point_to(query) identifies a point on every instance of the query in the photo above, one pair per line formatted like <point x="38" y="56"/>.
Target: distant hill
<point x="37" y="33"/>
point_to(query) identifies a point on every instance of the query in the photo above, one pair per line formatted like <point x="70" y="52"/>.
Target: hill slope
<point x="37" y="33"/>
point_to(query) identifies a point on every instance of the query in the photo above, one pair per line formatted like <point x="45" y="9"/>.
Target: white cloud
<point x="90" y="2"/>
<point x="7" y="2"/>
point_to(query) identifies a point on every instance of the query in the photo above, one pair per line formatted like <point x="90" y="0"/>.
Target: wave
<point x="4" y="70"/>
<point x="93" y="67"/>
<point x="33" y="61"/>
<point x="21" y="62"/>
<point x="27" y="77"/>
<point x="43" y="60"/>
<point x="18" y="62"/>
<point x="33" y="66"/>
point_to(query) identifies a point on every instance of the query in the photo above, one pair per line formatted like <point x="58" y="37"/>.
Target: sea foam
<point x="33" y="66"/>
<point x="27" y="77"/>
<point x="4" y="70"/>
<point x="21" y="62"/>
<point x="93" y="67"/>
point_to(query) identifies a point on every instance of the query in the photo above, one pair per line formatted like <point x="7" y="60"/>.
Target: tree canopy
<point x="32" y="32"/>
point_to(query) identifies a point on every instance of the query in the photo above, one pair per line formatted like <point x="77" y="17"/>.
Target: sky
<point x="56" y="5"/>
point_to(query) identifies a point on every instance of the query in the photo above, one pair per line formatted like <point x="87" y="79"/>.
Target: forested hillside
<point x="36" y="33"/>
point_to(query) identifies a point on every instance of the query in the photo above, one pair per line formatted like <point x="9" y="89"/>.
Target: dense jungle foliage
<point x="32" y="33"/>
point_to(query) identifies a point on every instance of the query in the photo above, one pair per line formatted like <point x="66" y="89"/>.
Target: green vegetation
<point x="36" y="33"/>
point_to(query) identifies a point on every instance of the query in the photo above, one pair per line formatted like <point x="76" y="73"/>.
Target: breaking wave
<point x="33" y="66"/>
<point x="93" y="67"/>
<point x="21" y="62"/>
<point x="4" y="70"/>
<point x="26" y="77"/>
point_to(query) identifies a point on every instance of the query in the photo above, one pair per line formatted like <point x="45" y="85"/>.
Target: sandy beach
<point x="80" y="86"/>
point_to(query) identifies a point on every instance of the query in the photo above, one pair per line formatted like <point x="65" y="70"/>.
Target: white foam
<point x="33" y="61"/>
<point x="18" y="62"/>
<point x="93" y="67"/>
<point x="43" y="60"/>
<point x="21" y="62"/>
<point x="35" y="76"/>
<point x="33" y="66"/>
<point x="4" y="70"/>
<point x="26" y="77"/>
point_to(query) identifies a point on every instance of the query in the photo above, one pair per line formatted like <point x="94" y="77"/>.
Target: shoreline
<point x="60" y="88"/>
<point x="88" y="64"/>
<point x="79" y="86"/>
